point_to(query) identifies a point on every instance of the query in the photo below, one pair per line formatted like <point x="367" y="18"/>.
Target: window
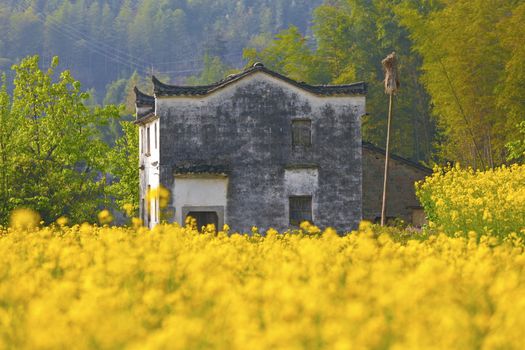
<point x="142" y="140"/>
<point x="143" y="211"/>
<point x="148" y="208"/>
<point x="148" y="141"/>
<point x="157" y="208"/>
<point x="301" y="132"/>
<point x="204" y="218"/>
<point x="300" y="209"/>
<point x="155" y="135"/>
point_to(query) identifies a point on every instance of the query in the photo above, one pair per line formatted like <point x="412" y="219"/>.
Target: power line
<point x="116" y="55"/>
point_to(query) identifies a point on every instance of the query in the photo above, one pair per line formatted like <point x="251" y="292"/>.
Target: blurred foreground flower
<point x="136" y="223"/>
<point x="105" y="217"/>
<point x="308" y="228"/>
<point x="129" y="209"/>
<point x="62" y="221"/>
<point x="161" y="194"/>
<point x="24" y="219"/>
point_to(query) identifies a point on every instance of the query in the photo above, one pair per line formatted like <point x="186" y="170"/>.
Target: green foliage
<point x="124" y="166"/>
<point x="107" y="40"/>
<point x="517" y="148"/>
<point x="213" y="71"/>
<point x="491" y="201"/>
<point x="288" y="53"/>
<point x="116" y="92"/>
<point x="8" y="150"/>
<point x="52" y="153"/>
<point x="350" y="39"/>
<point x="473" y="69"/>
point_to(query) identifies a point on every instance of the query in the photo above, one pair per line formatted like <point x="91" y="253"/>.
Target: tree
<point x="107" y="40"/>
<point x="25" y="32"/>
<point x="124" y="166"/>
<point x="289" y="53"/>
<point x="470" y="72"/>
<point x="517" y="148"/>
<point x="8" y="150"/>
<point x="54" y="158"/>
<point x="510" y="98"/>
<point x="214" y="70"/>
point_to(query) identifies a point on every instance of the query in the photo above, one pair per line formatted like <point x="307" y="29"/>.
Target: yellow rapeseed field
<point x="88" y="287"/>
<point x="463" y="200"/>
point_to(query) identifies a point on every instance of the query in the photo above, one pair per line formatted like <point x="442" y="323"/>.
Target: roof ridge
<point x="407" y="161"/>
<point x="162" y="89"/>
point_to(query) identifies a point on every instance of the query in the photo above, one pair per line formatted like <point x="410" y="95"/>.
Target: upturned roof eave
<point x="142" y="99"/>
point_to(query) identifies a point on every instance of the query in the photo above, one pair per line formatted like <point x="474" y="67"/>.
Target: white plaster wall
<point x="302" y="182"/>
<point x="141" y="110"/>
<point x="199" y="191"/>
<point x="150" y="162"/>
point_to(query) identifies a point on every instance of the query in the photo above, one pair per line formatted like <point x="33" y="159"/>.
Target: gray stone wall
<point x="401" y="193"/>
<point x="246" y="129"/>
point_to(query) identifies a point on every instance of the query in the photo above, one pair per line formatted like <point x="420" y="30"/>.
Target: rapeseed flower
<point x="105" y="217"/>
<point x="24" y="219"/>
<point x="129" y="287"/>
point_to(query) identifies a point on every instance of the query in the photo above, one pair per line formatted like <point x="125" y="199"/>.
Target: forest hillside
<point x="460" y="62"/>
<point x="105" y="40"/>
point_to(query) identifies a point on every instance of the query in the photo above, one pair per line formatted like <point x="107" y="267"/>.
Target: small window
<point x="155" y="209"/>
<point x="301" y="132"/>
<point x="300" y="209"/>
<point x="143" y="211"/>
<point x="148" y="207"/>
<point x="155" y="135"/>
<point x="204" y="218"/>
<point x="148" y="141"/>
<point x="142" y="140"/>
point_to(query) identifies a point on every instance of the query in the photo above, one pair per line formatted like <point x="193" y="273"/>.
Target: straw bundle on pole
<point x="391" y="74"/>
<point x="391" y="87"/>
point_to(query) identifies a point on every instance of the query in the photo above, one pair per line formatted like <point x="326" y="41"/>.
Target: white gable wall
<point x="149" y="175"/>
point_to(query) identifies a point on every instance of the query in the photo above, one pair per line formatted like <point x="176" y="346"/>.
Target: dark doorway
<point x="204" y="218"/>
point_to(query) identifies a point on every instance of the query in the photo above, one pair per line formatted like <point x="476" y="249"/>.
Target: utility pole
<point x="391" y="87"/>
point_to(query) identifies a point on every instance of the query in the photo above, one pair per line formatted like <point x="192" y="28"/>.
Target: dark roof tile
<point x="162" y="89"/>
<point x="406" y="161"/>
<point x="146" y="116"/>
<point x="142" y="99"/>
<point x="188" y="168"/>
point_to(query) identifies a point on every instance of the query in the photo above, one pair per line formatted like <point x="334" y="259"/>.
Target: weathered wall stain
<point x="247" y="129"/>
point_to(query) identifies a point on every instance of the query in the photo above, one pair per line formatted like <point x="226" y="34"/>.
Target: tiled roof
<point x="146" y="116"/>
<point x="406" y="161"/>
<point x="142" y="99"/>
<point x="162" y="89"/>
<point x="188" y="168"/>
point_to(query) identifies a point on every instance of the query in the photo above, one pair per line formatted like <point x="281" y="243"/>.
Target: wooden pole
<point x="387" y="158"/>
<point x="391" y="87"/>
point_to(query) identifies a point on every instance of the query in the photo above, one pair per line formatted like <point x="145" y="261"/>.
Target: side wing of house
<point x="402" y="202"/>
<point x="149" y="157"/>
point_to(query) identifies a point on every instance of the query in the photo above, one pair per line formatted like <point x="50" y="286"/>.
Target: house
<point x="260" y="149"/>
